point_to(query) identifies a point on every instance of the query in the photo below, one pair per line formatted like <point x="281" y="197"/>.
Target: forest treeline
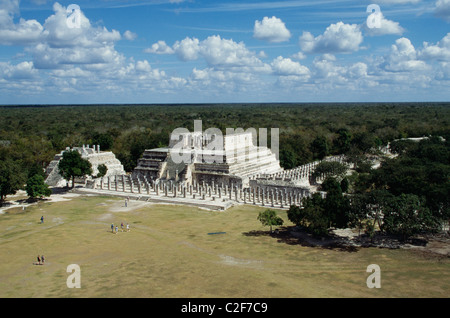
<point x="32" y="135"/>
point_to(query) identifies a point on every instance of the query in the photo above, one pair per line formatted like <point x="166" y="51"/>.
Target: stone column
<point x="282" y="195"/>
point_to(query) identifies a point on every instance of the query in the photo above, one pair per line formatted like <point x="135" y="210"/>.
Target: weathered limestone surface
<point x="236" y="162"/>
<point x="95" y="157"/>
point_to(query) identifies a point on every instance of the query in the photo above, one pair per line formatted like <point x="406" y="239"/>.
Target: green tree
<point x="37" y="188"/>
<point x="36" y="169"/>
<point x="270" y="218"/>
<point x="336" y="205"/>
<point x="73" y="165"/>
<point x="363" y="141"/>
<point x="288" y="159"/>
<point x="12" y="178"/>
<point x="330" y="169"/>
<point x="102" y="170"/>
<point x="344" y="184"/>
<point x="297" y="215"/>
<point x="316" y="217"/>
<point x="343" y="140"/>
<point x="105" y="141"/>
<point x="358" y="211"/>
<point x="319" y="147"/>
<point x="311" y="215"/>
<point x="407" y="215"/>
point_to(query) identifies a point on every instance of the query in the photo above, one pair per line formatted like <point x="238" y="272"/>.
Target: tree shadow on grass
<point x="287" y="235"/>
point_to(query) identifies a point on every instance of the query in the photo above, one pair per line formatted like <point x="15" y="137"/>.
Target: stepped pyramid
<point x="235" y="163"/>
<point x="95" y="157"/>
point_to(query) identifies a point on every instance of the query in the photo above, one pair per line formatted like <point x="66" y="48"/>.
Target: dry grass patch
<point x="169" y="253"/>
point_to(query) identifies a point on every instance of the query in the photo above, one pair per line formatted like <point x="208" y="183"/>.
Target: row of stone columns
<point x="265" y="196"/>
<point x="298" y="173"/>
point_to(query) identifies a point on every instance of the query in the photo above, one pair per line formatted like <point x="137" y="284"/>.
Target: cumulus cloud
<point x="216" y="51"/>
<point x="386" y="27"/>
<point x="285" y="66"/>
<point x="299" y="56"/>
<point x="271" y="29"/>
<point x="337" y="38"/>
<point x="403" y="58"/>
<point x="442" y="9"/>
<point x="24" y="32"/>
<point x="23" y="70"/>
<point x="159" y="47"/>
<point x="130" y="36"/>
<point x="59" y="34"/>
<point x="187" y="49"/>
<point x="60" y="44"/>
<point x="440" y="51"/>
<point x="226" y="52"/>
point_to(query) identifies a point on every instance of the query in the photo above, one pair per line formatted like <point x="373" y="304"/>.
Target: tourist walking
<point x="42" y="259"/>
<point x="117" y="229"/>
<point x="39" y="260"/>
<point x="42" y="219"/>
<point x="112" y="227"/>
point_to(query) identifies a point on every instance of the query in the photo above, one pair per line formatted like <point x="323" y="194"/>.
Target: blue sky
<point x="194" y="51"/>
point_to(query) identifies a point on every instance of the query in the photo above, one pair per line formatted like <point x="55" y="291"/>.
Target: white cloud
<point x="61" y="44"/>
<point x="388" y="2"/>
<point x="403" y="58"/>
<point x="386" y="27"/>
<point x="160" y="47"/>
<point x="130" y="36"/>
<point x="337" y="38"/>
<point x="187" y="49"/>
<point x="216" y="51"/>
<point x="440" y="51"/>
<point x="299" y="56"/>
<point x="442" y="9"/>
<point x="24" y="32"/>
<point x="75" y="72"/>
<point x="271" y="29"/>
<point x="285" y="66"/>
<point x="58" y="34"/>
<point x="23" y="70"/>
<point x="226" y="52"/>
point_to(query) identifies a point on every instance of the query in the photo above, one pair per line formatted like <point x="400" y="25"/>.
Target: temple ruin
<point x="93" y="155"/>
<point x="238" y="172"/>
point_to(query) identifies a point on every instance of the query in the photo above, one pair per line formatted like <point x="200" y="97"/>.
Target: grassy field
<point x="168" y="253"/>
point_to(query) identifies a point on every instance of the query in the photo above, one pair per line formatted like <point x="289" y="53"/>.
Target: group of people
<point x="117" y="229"/>
<point x="40" y="260"/>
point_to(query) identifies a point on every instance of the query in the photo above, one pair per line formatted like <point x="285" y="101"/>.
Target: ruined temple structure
<point x="95" y="157"/>
<point x="205" y="170"/>
<point x="192" y="158"/>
